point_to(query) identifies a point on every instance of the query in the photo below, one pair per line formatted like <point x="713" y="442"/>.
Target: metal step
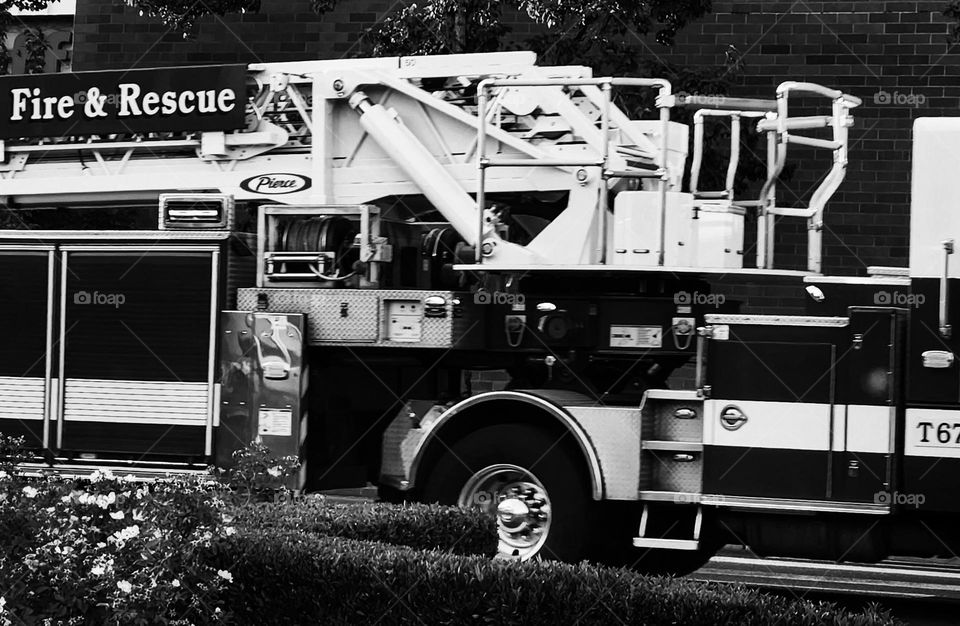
<point x="673" y="446"/>
<point x="642" y="541"/>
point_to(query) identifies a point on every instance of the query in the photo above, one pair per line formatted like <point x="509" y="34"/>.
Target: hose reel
<point x="314" y="249"/>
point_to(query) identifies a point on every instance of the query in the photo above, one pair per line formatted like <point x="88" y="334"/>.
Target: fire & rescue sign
<point x="200" y="98"/>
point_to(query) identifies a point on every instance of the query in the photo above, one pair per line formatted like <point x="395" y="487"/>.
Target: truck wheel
<point x="531" y="482"/>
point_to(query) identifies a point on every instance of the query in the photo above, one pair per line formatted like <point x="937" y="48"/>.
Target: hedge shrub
<point x="289" y="577"/>
<point x="420" y="526"/>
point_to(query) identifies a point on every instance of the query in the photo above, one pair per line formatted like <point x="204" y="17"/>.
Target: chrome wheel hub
<point x="520" y="504"/>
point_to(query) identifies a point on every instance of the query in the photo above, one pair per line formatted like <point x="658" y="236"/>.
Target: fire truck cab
<point x="341" y="255"/>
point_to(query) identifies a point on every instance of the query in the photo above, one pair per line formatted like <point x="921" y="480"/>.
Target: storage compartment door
<point x="26" y="317"/>
<point x="137" y="347"/>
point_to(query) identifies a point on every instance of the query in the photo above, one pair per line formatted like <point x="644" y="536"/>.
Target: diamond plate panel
<point x="668" y="427"/>
<point x="672" y="475"/>
<point x="329" y="322"/>
<point x="615" y="434"/>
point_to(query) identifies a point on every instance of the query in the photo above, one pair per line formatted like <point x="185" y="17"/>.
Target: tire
<point x="511" y="463"/>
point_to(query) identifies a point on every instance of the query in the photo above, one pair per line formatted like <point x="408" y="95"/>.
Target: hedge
<point x="289" y="577"/>
<point x="420" y="526"/>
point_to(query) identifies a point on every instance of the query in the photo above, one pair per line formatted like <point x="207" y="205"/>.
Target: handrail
<point x="698" y="148"/>
<point x="779" y="129"/>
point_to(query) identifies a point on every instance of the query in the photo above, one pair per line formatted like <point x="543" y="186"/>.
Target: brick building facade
<point x="894" y="55"/>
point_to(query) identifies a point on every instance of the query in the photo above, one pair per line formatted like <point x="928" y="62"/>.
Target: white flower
<point x="122" y="536"/>
<point x="3" y="476"/>
<point x="65" y="499"/>
<point x="30" y="492"/>
<point x="175" y="582"/>
<point x="224" y="574"/>
<point x="274" y="471"/>
<point x="97" y="570"/>
<point x="116" y="514"/>
<point x="124" y="586"/>
<point x="229" y="530"/>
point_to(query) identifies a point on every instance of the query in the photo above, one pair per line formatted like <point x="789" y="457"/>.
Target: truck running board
<point x="668" y="543"/>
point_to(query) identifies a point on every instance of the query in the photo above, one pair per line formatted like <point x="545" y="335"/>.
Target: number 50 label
<point x="932" y="432"/>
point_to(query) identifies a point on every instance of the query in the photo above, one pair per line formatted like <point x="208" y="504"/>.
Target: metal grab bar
<point x="778" y="130"/>
<point x="698" y="149"/>
<point x="797" y="123"/>
<point x="946" y="329"/>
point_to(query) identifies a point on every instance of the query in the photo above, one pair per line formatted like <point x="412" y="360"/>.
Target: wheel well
<point x="509" y="411"/>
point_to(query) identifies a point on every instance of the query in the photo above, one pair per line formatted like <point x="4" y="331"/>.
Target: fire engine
<point x="341" y="251"/>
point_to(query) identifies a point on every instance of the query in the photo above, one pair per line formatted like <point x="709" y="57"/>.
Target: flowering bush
<point x="257" y="474"/>
<point x="110" y="550"/>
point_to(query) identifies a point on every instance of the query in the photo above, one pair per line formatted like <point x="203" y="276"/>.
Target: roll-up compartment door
<point x="136" y="352"/>
<point x="26" y="317"/>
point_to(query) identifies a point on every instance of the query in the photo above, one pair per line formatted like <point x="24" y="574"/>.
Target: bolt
<point x="338" y="85"/>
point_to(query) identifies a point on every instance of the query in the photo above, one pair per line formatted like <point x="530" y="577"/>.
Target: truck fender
<point x="410" y="444"/>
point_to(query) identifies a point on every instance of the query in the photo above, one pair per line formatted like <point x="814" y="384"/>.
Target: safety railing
<point x="774" y="120"/>
<point x="780" y="133"/>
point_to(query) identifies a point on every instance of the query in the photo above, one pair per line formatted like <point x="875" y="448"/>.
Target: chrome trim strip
<point x="212" y="352"/>
<point x="652" y="269"/>
<point x="123" y="249"/>
<point x="776" y="320"/>
<point x="26" y="247"/>
<point x="899" y="281"/>
<point x="887" y="270"/>
<point x="784" y="504"/>
<point x="690" y="395"/>
<point x="120" y="235"/>
<point x="48" y="365"/>
<point x="61" y="352"/>
<point x="596" y="477"/>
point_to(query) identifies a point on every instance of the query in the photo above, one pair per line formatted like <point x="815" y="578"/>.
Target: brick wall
<point x="894" y="55"/>
<point x="114" y="36"/>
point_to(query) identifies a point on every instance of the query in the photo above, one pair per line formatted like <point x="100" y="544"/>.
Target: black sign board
<point x="200" y="98"/>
